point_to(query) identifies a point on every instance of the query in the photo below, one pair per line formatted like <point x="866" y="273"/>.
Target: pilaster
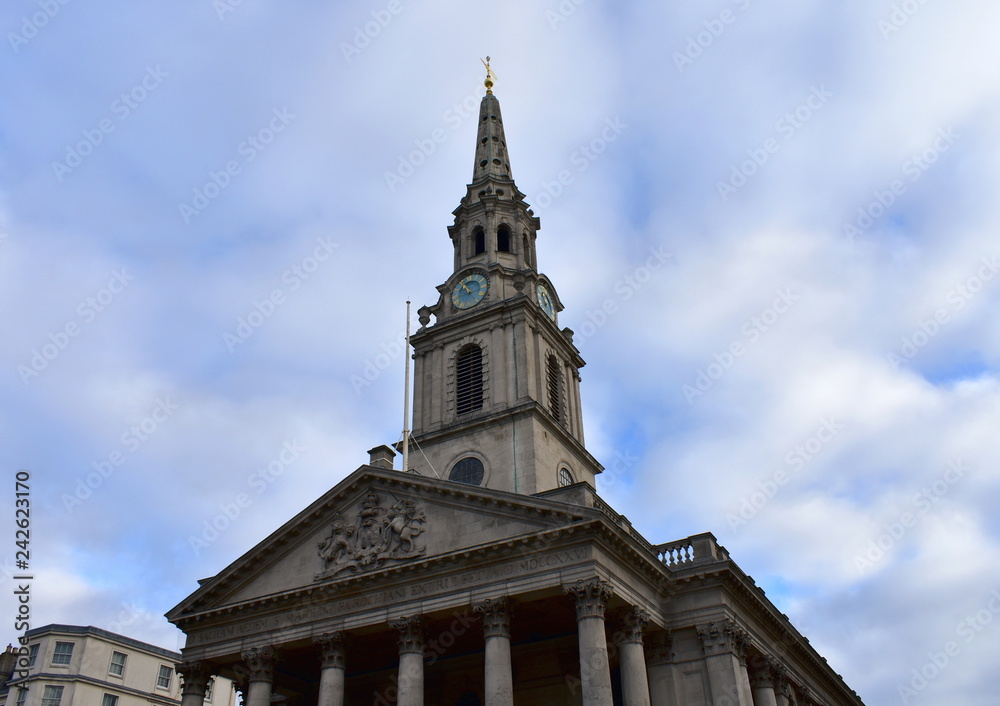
<point x="725" y="645"/>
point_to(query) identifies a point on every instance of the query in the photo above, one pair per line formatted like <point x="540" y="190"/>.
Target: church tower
<point x="496" y="381"/>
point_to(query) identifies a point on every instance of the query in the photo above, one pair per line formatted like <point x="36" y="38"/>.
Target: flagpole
<point x="406" y="394"/>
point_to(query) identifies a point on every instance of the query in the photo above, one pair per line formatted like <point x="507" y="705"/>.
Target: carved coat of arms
<point x="377" y="535"/>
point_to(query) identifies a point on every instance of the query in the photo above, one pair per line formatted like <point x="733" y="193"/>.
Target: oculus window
<point x="469" y="470"/>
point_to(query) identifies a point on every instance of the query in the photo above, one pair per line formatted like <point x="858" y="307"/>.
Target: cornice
<point x="311" y="519"/>
<point x="324" y="590"/>
<point x="753" y="601"/>
<point x="105" y="685"/>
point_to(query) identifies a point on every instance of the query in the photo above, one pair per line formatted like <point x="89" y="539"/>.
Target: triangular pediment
<point x="373" y="520"/>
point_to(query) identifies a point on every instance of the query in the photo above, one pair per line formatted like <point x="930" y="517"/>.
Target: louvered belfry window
<point x="469" y="379"/>
<point x="554" y="380"/>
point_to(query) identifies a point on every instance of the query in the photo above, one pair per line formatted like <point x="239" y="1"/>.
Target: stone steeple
<point x="496" y="398"/>
<point x="492" y="162"/>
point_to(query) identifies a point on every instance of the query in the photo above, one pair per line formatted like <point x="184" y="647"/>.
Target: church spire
<point x="496" y="398"/>
<point x="491" y="145"/>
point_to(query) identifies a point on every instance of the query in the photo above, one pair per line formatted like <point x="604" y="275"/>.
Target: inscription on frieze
<point x="522" y="567"/>
<point x="378" y="534"/>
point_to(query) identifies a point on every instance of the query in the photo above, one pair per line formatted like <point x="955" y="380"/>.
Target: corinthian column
<point x="595" y="672"/>
<point x="259" y="662"/>
<point x="195" y="675"/>
<point x="635" y="684"/>
<point x="411" y="660"/>
<point x="725" y="645"/>
<point x="496" y="630"/>
<point x="331" y="679"/>
<point x="762" y="682"/>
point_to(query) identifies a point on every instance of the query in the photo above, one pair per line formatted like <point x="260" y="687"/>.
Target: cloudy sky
<point x="773" y="225"/>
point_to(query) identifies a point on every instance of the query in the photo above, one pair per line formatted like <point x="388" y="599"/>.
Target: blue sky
<point x="809" y="365"/>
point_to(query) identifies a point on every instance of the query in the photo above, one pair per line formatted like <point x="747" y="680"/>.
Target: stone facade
<point x="517" y="584"/>
<point x="502" y="598"/>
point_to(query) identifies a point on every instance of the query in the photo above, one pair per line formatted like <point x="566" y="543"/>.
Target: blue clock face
<point x="545" y="301"/>
<point x="469" y="291"/>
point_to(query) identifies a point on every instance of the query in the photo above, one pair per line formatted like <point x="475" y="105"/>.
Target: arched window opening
<point x="469" y="470"/>
<point x="478" y="241"/>
<point x="469" y="379"/>
<point x="565" y="477"/>
<point x="503" y="239"/>
<point x="554" y="382"/>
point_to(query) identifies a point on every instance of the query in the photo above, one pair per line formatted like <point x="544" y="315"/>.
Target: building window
<point x="163" y="678"/>
<point x="109" y="700"/>
<point x="52" y="695"/>
<point x="32" y="654"/>
<point x="503" y="239"/>
<point x="22" y="696"/>
<point x="469" y="379"/>
<point x="117" y="667"/>
<point x="63" y="653"/>
<point x="469" y="470"/>
<point x="478" y="241"/>
<point x="209" y="685"/>
<point x="565" y="477"/>
<point x="553" y="378"/>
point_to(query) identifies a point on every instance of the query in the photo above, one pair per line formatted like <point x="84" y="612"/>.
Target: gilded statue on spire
<point x="490" y="76"/>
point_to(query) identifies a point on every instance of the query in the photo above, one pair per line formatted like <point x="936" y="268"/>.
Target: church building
<point x="490" y="571"/>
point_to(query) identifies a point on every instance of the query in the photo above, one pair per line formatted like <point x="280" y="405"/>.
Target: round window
<point x="469" y="470"/>
<point x="565" y="477"/>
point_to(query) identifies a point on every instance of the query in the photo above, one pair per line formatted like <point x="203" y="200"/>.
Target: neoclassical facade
<point x="490" y="571"/>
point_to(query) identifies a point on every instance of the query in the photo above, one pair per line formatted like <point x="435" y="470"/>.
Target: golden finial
<point x="490" y="76"/>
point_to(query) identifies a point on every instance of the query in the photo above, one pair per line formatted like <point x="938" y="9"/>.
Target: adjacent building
<point x="72" y="665"/>
<point x="490" y="571"/>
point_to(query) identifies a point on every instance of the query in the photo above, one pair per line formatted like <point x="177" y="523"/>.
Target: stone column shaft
<point x="260" y="664"/>
<point x="632" y="656"/>
<point x="331" y="679"/>
<point x="595" y="670"/>
<point x="764" y="696"/>
<point x="411" y="661"/>
<point x="762" y="682"/>
<point x="499" y="681"/>
<point x="196" y="677"/>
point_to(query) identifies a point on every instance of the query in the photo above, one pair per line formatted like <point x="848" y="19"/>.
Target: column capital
<point x="195" y="675"/>
<point x="806" y="697"/>
<point x="591" y="597"/>
<point x="724" y="636"/>
<point x="260" y="663"/>
<point x="660" y="650"/>
<point x="496" y="614"/>
<point x="782" y="685"/>
<point x="331" y="645"/>
<point x="765" y="672"/>
<point x="411" y="634"/>
<point x="630" y="624"/>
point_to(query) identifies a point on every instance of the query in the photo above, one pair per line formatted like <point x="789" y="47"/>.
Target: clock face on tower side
<point x="469" y="291"/>
<point x="545" y="301"/>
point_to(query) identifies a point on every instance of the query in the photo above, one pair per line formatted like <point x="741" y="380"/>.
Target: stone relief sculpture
<point x="379" y="534"/>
